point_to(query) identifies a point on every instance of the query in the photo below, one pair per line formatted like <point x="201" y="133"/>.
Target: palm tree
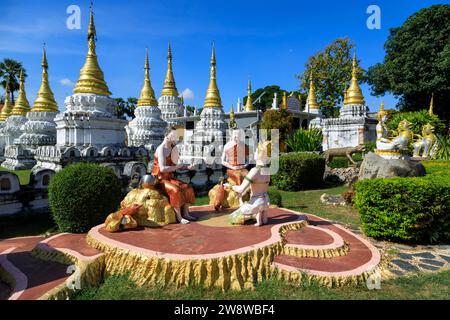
<point x="10" y="73"/>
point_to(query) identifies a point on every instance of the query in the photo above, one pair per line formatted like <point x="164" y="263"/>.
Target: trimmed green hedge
<point x="82" y="195"/>
<point x="414" y="210"/>
<point x="275" y="197"/>
<point x="299" y="171"/>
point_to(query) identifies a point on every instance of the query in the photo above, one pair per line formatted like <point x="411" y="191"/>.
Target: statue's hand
<point x="236" y="189"/>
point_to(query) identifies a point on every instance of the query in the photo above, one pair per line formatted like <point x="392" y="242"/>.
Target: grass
<point x="421" y="286"/>
<point x="24" y="175"/>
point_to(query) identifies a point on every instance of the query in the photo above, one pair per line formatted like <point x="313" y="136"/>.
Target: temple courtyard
<point x="308" y="250"/>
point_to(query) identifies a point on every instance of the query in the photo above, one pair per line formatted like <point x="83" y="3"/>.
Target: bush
<point x="305" y="140"/>
<point x="417" y="119"/>
<point x="370" y="146"/>
<point x="82" y="195"/>
<point x="415" y="210"/>
<point x="275" y="197"/>
<point x="442" y="148"/>
<point x="299" y="171"/>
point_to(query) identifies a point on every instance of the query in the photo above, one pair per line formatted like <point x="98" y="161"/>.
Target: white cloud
<point x="66" y="82"/>
<point x="187" y="94"/>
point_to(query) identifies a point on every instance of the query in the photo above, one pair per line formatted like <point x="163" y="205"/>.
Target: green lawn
<point x="24" y="175"/>
<point x="30" y="225"/>
<point x="422" y="286"/>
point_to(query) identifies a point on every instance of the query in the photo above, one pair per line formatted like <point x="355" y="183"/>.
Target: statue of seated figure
<point x="424" y="144"/>
<point x="397" y="147"/>
<point x="257" y="180"/>
<point x="234" y="158"/>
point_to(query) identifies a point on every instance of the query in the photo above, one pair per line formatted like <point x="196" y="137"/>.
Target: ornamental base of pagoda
<point x="18" y="157"/>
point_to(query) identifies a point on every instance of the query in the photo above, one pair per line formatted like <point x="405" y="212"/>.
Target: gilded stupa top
<point x="6" y="110"/>
<point x="169" y="89"/>
<point x="312" y="101"/>
<point x="284" y="101"/>
<point x="147" y="97"/>
<point x="22" y="105"/>
<point x="45" y="101"/>
<point x="91" y="78"/>
<point x="212" y="98"/>
<point x="249" y="105"/>
<point x="430" y="109"/>
<point x="354" y="93"/>
<point x="381" y="112"/>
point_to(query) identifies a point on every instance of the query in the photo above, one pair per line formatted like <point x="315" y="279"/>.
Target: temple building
<point x="39" y="130"/>
<point x="170" y="102"/>
<point x="13" y="124"/>
<point x="354" y="126"/>
<point x="147" y="128"/>
<point x="89" y="129"/>
<point x="208" y="138"/>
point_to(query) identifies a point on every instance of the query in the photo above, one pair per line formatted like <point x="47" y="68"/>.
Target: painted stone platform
<point x="209" y="252"/>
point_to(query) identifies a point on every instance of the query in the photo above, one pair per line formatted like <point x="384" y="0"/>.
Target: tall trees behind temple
<point x="417" y="62"/>
<point x="10" y="73"/>
<point x="332" y="71"/>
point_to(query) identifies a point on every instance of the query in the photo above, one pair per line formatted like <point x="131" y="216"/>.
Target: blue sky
<point x="266" y="41"/>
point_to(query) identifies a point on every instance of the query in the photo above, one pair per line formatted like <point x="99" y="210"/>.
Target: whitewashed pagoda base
<point x="147" y="128"/>
<point x="18" y="158"/>
<point x="171" y="107"/>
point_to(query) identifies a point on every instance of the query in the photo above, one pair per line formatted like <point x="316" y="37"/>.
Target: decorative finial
<point x="22" y="105"/>
<point x="381" y="112"/>
<point x="45" y="101"/>
<point x="312" y="101"/>
<point x="147" y="97"/>
<point x="7" y="107"/>
<point x="430" y="110"/>
<point x="284" y="101"/>
<point x="232" y="123"/>
<point x="169" y="88"/>
<point x="91" y="78"/>
<point x="249" y="104"/>
<point x="212" y="94"/>
<point x="354" y="93"/>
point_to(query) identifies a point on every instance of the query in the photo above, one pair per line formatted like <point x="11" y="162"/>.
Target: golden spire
<point x="212" y="98"/>
<point x="430" y="110"/>
<point x="169" y="88"/>
<point x="91" y="78"/>
<point x="147" y="97"/>
<point x="22" y="105"/>
<point x="381" y="112"/>
<point x="312" y="102"/>
<point x="284" y="101"/>
<point x="232" y="122"/>
<point x="354" y="93"/>
<point x="6" y="110"/>
<point x="249" y="105"/>
<point x="45" y="101"/>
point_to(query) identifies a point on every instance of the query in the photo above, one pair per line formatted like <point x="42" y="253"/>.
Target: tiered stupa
<point x="4" y="114"/>
<point x="12" y="129"/>
<point x="89" y="129"/>
<point x="353" y="127"/>
<point x="147" y="128"/>
<point x="39" y="130"/>
<point x="206" y="144"/>
<point x="170" y="102"/>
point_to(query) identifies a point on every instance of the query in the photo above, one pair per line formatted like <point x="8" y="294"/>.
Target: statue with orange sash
<point x="180" y="194"/>
<point x="235" y="159"/>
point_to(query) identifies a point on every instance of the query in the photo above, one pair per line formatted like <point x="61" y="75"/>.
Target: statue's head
<point x="404" y="125"/>
<point x="427" y="129"/>
<point x="382" y="114"/>
<point x="263" y="152"/>
<point x="235" y="135"/>
<point x="174" y="134"/>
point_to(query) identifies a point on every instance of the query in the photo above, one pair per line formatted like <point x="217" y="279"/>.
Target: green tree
<point x="266" y="100"/>
<point x="281" y="120"/>
<point x="126" y="108"/>
<point x="332" y="72"/>
<point x="417" y="62"/>
<point x="10" y="73"/>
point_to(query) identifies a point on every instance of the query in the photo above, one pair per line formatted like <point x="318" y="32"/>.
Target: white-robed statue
<point x="257" y="181"/>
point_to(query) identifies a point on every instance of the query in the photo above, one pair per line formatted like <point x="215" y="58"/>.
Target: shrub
<point x="82" y="195"/>
<point x="442" y="148"/>
<point x="417" y="119"/>
<point x="305" y="140"/>
<point x="275" y="197"/>
<point x="299" y="171"/>
<point x="370" y="146"/>
<point x="415" y="210"/>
